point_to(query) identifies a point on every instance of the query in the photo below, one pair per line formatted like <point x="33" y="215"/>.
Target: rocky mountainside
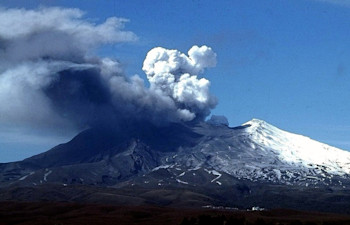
<point x="211" y="160"/>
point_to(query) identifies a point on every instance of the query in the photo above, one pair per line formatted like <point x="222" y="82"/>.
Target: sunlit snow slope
<point x="258" y="151"/>
<point x="298" y="149"/>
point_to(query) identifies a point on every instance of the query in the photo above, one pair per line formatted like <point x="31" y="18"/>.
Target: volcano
<point x="187" y="164"/>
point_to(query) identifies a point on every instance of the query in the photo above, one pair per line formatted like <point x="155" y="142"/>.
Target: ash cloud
<point x="48" y="77"/>
<point x="174" y="74"/>
<point x="218" y="120"/>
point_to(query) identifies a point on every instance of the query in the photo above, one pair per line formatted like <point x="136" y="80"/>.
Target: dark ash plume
<point x="48" y="78"/>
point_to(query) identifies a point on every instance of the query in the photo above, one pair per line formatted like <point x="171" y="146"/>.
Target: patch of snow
<point x="278" y="173"/>
<point x="162" y="167"/>
<point x="197" y="167"/>
<point x="181" y="182"/>
<point x="24" y="177"/>
<point x="47" y="174"/>
<point x="215" y="173"/>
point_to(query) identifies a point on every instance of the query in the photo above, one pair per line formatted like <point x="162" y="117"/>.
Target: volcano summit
<point x="238" y="166"/>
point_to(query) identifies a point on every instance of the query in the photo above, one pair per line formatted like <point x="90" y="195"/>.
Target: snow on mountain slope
<point x="254" y="151"/>
<point x="258" y="151"/>
<point x="298" y="149"/>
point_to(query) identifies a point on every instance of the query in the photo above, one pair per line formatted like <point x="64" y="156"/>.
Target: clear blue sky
<point x="286" y="62"/>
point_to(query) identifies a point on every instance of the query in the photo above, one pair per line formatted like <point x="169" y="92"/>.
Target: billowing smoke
<point x="217" y="120"/>
<point x="55" y="33"/>
<point x="48" y="76"/>
<point x="172" y="73"/>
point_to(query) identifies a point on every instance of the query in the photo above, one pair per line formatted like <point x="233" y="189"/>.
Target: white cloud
<point x="55" y="32"/>
<point x="16" y="23"/>
<point x="175" y="74"/>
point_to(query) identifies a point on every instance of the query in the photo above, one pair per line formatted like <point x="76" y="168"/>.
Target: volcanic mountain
<point x="255" y="163"/>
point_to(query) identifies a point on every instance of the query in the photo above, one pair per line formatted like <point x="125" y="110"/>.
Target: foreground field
<point x="60" y="213"/>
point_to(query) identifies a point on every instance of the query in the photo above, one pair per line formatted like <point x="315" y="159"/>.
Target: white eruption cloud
<point x="175" y="74"/>
<point x="49" y="78"/>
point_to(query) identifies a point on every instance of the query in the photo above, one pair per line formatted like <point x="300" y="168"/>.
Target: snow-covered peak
<point x="297" y="149"/>
<point x="254" y="121"/>
<point x="255" y="124"/>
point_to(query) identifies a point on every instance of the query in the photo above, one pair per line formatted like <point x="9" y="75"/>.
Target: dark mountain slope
<point x="188" y="164"/>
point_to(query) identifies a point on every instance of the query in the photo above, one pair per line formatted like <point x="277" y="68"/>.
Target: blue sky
<point x="285" y="62"/>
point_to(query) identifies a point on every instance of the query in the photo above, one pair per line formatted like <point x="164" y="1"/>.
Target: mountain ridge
<point x="251" y="164"/>
<point x="256" y="150"/>
<point x="303" y="147"/>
